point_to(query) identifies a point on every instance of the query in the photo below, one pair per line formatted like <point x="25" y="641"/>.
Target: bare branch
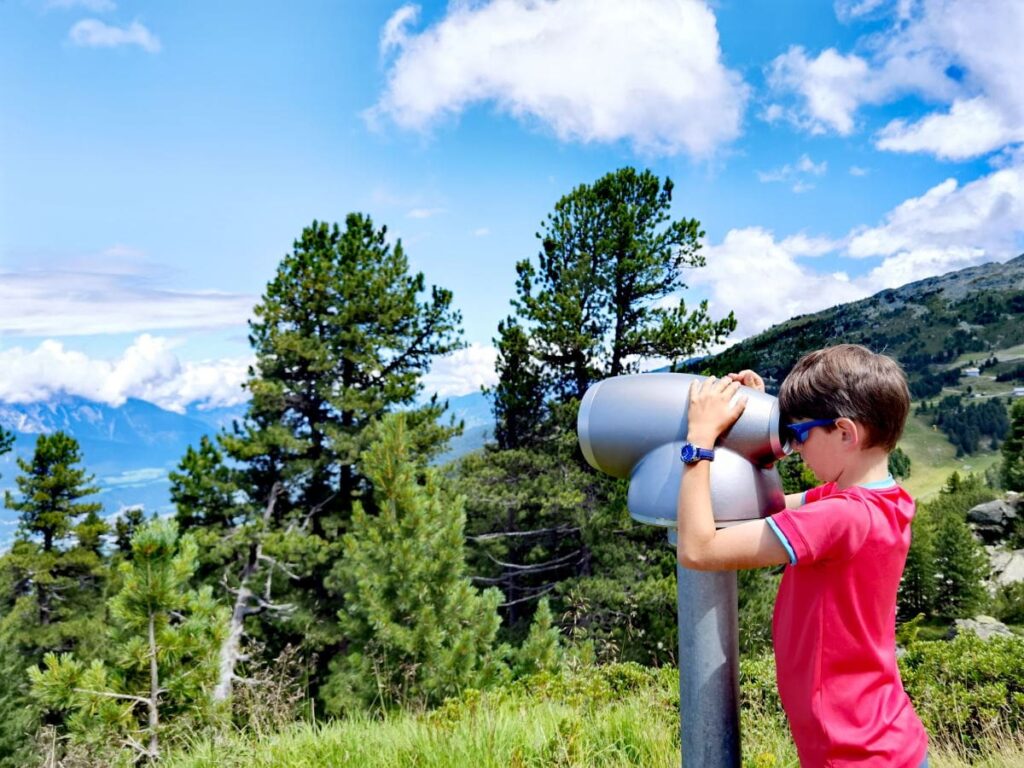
<point x="523" y="534"/>
<point x="109" y="695"/>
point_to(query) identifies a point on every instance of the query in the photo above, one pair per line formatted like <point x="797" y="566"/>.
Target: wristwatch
<point x="691" y="454"/>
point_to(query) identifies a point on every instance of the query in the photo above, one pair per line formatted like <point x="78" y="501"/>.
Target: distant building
<point x="972" y="372"/>
<point x="1018" y="392"/>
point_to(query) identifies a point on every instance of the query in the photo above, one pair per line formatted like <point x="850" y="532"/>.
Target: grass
<point x="613" y="717"/>
<point x="933" y="458"/>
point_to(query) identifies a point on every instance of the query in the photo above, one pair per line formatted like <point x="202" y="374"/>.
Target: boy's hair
<point x="852" y="381"/>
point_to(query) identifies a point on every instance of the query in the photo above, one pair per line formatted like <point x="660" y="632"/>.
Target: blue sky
<point x="158" y="159"/>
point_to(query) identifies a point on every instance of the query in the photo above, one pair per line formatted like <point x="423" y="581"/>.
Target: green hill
<point x="935" y="328"/>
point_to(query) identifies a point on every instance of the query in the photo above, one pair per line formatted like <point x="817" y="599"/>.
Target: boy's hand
<point x="748" y="378"/>
<point x="712" y="410"/>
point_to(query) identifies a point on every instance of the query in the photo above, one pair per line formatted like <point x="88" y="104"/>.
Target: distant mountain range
<point x="130" y="448"/>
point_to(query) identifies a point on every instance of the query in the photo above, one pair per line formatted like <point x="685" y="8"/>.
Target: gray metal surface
<point x="709" y="688"/>
<point x="634" y="426"/>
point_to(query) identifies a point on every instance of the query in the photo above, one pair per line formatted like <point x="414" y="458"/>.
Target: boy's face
<point x="822" y="452"/>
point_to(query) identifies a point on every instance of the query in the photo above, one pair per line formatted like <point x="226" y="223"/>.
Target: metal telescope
<point x="633" y="427"/>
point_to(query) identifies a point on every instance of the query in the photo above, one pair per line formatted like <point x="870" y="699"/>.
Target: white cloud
<point x="463" y="371"/>
<point x="796" y="173"/>
<point x="148" y="369"/>
<point x="965" y="54"/>
<point x="984" y="217"/>
<point x="949" y="227"/>
<point x="649" y="72"/>
<point x="112" y="294"/>
<point x="856" y="170"/>
<point x="970" y="128"/>
<point x="93" y="33"/>
<point x="481" y="232"/>
<point x="764" y="281"/>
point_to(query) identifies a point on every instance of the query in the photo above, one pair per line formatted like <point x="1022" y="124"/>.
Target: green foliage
<point x="518" y="397"/>
<point x="163" y="640"/>
<point x="415" y="628"/>
<point x="967" y="425"/>
<point x="542" y="649"/>
<point x="967" y="687"/>
<point x="756" y="589"/>
<point x="19" y="719"/>
<point x="609" y="253"/>
<point x="919" y="585"/>
<point x="1012" y="468"/>
<point x="899" y="464"/>
<point x="796" y="476"/>
<point x="49" y="488"/>
<point x="52" y="578"/>
<point x="1008" y="605"/>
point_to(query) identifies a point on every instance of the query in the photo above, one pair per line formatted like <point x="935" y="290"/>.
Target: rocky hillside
<point x="929" y="326"/>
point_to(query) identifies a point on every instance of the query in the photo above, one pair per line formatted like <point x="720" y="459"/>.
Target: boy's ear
<point x="851" y="431"/>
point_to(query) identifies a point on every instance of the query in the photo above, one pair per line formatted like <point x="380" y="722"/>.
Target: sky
<point x="157" y="159"/>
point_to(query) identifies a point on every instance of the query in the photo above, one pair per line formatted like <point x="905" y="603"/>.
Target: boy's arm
<point x="699" y="545"/>
<point x="702" y="547"/>
<point x="794" y="500"/>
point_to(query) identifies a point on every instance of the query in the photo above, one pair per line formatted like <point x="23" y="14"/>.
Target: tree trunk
<point x="154" y="691"/>
<point x="230" y="649"/>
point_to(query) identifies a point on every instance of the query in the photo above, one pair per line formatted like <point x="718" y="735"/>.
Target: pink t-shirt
<point x="834" y="628"/>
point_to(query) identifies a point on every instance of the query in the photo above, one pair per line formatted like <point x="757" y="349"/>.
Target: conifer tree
<point x="600" y="296"/>
<point x="1012" y="469"/>
<point x="55" y="566"/>
<point x="611" y="256"/>
<point x="541" y="651"/>
<point x="962" y="566"/>
<point x="416" y="630"/>
<point x="919" y="586"/>
<point x="341" y="335"/>
<point x="164" y="638"/>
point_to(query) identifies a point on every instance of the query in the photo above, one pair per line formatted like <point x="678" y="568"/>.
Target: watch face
<point x="689" y="453"/>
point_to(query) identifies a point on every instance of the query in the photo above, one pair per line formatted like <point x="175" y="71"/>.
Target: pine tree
<point x="518" y="397"/>
<point x="164" y="638"/>
<point x="919" y="586"/>
<point x="541" y="651"/>
<point x="1012" y="469"/>
<point x="416" y="630"/>
<point x="962" y="566"/>
<point x="341" y="335"/>
<point x="899" y="464"/>
<point x="55" y="566"/>
<point x="610" y="257"/>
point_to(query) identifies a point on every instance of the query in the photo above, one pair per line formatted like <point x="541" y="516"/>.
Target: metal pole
<point x="709" y="688"/>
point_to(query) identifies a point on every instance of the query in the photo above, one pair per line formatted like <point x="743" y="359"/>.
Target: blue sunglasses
<point x="801" y="428"/>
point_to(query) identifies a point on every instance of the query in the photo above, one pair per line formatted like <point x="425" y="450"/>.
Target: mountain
<point x="130" y="448"/>
<point x="932" y="326"/>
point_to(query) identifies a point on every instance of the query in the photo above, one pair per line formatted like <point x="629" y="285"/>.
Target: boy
<point x="846" y="542"/>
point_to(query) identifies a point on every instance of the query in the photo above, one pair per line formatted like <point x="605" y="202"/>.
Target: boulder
<point x="994" y="520"/>
<point x="1007" y="565"/>
<point x="984" y="627"/>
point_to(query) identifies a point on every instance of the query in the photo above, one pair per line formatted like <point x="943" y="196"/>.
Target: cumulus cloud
<point x="114" y="294"/>
<point x="649" y="72"/>
<point x="148" y="370"/>
<point x="93" y="33"/>
<point x="970" y="128"/>
<point x="964" y="54"/>
<point x="463" y="371"/>
<point x="949" y="227"/>
<point x="764" y="280"/>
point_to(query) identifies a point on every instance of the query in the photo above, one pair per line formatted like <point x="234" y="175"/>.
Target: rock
<point x="994" y="520"/>
<point x="984" y="627"/>
<point x="1007" y="565"/>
